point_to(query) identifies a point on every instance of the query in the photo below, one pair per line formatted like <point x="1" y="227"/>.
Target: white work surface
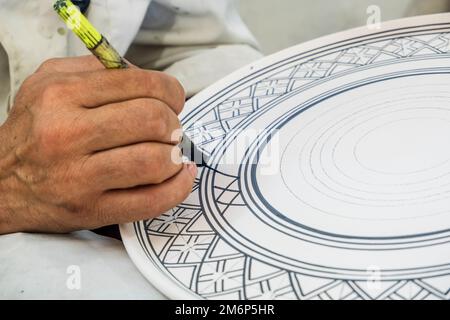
<point x="40" y="266"/>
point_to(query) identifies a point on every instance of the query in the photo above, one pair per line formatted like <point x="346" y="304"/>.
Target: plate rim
<point x="157" y="278"/>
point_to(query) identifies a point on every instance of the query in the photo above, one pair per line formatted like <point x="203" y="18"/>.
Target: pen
<point x="111" y="59"/>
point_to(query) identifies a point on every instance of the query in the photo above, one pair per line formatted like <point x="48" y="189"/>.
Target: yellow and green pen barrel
<point x="93" y="39"/>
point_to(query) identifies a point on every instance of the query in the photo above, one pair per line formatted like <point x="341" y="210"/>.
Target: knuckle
<point x="49" y="64"/>
<point x="54" y="91"/>
<point x="158" y="81"/>
<point x="48" y="139"/>
<point x="153" y="118"/>
<point x="57" y="88"/>
<point x="162" y="122"/>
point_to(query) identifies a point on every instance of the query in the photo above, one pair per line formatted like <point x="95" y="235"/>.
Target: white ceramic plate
<point x="329" y="175"/>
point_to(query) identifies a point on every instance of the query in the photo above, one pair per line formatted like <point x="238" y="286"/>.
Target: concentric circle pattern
<point x="342" y="192"/>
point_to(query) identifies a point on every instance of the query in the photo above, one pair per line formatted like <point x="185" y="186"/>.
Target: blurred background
<point x="272" y="22"/>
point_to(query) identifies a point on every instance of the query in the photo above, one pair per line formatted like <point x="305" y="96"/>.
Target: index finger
<point x="71" y="64"/>
<point x="97" y="88"/>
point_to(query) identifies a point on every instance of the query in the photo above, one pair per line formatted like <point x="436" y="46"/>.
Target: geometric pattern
<point x="229" y="113"/>
<point x="185" y="246"/>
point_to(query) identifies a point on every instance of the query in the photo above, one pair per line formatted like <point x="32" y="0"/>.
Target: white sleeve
<point x="187" y="38"/>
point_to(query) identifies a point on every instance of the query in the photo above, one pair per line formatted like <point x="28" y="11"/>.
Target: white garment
<point x="168" y="33"/>
<point x="186" y="38"/>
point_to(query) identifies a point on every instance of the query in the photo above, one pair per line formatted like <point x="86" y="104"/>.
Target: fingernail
<point x="192" y="168"/>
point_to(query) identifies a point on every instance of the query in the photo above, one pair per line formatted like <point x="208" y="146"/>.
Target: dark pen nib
<point x="192" y="152"/>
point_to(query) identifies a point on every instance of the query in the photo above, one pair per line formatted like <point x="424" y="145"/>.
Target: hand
<point x="85" y="147"/>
